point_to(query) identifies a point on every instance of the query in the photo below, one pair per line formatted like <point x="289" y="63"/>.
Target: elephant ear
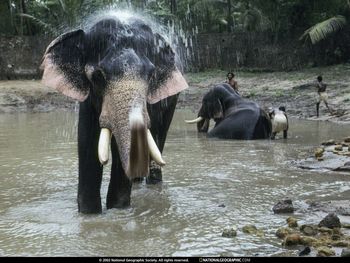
<point x="167" y="79"/>
<point x="63" y="66"/>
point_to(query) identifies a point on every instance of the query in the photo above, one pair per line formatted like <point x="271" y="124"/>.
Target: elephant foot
<point x="155" y="174"/>
<point x="138" y="180"/>
<point x="89" y="206"/>
<point x="119" y="203"/>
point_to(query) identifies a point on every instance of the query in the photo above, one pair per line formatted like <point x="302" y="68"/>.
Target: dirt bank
<point x="290" y="89"/>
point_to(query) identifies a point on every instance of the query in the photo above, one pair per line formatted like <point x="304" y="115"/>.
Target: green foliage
<point x="282" y="18"/>
<point x="324" y="29"/>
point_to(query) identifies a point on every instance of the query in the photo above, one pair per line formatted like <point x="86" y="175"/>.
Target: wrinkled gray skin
<point x="116" y="70"/>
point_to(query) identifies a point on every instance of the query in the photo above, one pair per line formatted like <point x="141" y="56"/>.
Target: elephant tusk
<point x="103" y="145"/>
<point x="195" y="120"/>
<point x="153" y="149"/>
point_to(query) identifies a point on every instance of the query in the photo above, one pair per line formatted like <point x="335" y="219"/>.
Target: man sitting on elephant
<point x="235" y="117"/>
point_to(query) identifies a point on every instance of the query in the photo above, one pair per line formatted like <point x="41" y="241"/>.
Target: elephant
<point x="127" y="79"/>
<point x="279" y="121"/>
<point x="234" y="116"/>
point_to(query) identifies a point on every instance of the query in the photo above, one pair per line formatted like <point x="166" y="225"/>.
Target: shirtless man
<point x="321" y="95"/>
<point x="231" y="81"/>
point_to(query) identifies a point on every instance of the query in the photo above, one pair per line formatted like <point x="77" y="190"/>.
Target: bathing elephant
<point x="279" y="121"/>
<point x="127" y="79"/>
<point x="235" y="117"/>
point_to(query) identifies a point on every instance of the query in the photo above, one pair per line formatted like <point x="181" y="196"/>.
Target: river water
<point x="208" y="185"/>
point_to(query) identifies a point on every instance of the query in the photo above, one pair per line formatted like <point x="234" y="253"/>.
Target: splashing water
<point x="181" y="42"/>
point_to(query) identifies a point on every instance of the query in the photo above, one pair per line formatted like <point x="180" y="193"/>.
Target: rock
<point x="320" y="159"/>
<point x="336" y="237"/>
<point x="330" y="221"/>
<point x="336" y="231"/>
<point x="305" y="251"/>
<point x="338" y="147"/>
<point x="229" y="232"/>
<point x="289" y="253"/>
<point x="319" y="152"/>
<point x="325" y="230"/>
<point x="284" y="206"/>
<point x="325" y="252"/>
<point x="292" y="239"/>
<point x="249" y="229"/>
<point x="292" y="222"/>
<point x="344" y="225"/>
<point x="341" y="243"/>
<point x="347" y="139"/>
<point x="282" y="232"/>
<point x="345" y="252"/>
<point x="309" y="230"/>
<point x="329" y="142"/>
<point x="308" y="241"/>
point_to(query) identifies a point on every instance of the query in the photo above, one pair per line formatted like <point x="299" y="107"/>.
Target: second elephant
<point x="235" y="117"/>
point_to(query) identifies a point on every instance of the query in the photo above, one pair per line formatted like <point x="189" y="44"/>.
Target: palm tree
<point x="326" y="28"/>
<point x="54" y="16"/>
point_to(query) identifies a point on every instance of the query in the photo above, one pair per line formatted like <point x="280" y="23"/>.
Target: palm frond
<point x="324" y="29"/>
<point x="45" y="26"/>
<point x="63" y="6"/>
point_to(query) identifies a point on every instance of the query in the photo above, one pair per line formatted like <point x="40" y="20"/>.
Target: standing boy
<point x="321" y="95"/>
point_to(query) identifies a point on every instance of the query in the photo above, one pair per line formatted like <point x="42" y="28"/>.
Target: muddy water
<point x="208" y="185"/>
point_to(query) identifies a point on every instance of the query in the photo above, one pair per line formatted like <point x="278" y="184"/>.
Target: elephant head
<point x="235" y="117"/>
<point x="119" y="66"/>
<point x="213" y="106"/>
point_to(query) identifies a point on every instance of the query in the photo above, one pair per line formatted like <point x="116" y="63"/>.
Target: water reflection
<point x="208" y="185"/>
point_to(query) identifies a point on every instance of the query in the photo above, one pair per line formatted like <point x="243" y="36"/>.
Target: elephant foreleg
<point x="90" y="170"/>
<point x="161" y="115"/>
<point x="285" y="134"/>
<point x="273" y="135"/>
<point x="119" y="189"/>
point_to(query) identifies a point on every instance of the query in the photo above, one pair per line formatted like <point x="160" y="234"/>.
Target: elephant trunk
<point x="124" y="113"/>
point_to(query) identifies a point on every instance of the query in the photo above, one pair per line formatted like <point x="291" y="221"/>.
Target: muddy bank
<point x="294" y="90"/>
<point x="31" y="96"/>
<point x="269" y="89"/>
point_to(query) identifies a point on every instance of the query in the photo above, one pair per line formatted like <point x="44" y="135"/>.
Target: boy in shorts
<point x="321" y="95"/>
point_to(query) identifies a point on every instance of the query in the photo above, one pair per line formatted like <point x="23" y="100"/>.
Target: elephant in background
<point x="127" y="81"/>
<point x="279" y="122"/>
<point x="235" y="117"/>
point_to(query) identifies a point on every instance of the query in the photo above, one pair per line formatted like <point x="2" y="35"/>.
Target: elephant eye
<point x="97" y="77"/>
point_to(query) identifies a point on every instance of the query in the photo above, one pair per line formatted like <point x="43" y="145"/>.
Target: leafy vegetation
<point x="321" y="24"/>
<point x="284" y="18"/>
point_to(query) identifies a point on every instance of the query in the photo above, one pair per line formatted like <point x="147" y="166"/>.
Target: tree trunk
<point x="230" y="22"/>
<point x="173" y="6"/>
